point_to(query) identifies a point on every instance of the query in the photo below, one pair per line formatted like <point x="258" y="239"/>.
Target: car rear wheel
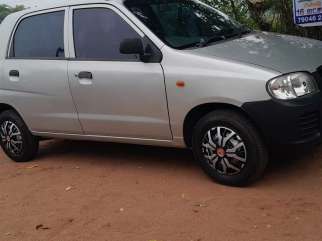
<point x="16" y="139"/>
<point x="229" y="148"/>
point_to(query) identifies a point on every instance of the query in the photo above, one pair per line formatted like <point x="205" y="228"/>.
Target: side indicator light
<point x="180" y="83"/>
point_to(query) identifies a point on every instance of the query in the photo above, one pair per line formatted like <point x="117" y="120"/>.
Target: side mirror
<point x="132" y="46"/>
<point x="147" y="51"/>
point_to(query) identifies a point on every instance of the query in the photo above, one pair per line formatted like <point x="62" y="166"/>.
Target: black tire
<point x="26" y="145"/>
<point x="253" y="151"/>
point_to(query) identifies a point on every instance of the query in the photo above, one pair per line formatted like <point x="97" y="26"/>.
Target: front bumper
<point x="288" y="122"/>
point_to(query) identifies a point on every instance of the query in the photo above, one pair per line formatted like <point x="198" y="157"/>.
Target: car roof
<point x="56" y="4"/>
<point x="64" y="3"/>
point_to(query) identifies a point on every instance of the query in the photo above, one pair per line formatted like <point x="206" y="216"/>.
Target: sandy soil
<point x="97" y="191"/>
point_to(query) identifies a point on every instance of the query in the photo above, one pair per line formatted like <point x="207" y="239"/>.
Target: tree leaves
<point x="267" y="15"/>
<point x="5" y="10"/>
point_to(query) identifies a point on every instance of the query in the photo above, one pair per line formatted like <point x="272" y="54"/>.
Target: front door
<point x="116" y="94"/>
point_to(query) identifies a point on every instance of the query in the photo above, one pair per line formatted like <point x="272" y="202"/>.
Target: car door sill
<point x="129" y="140"/>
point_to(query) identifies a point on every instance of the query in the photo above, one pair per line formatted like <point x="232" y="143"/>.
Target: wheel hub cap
<point x="224" y="150"/>
<point x="221" y="152"/>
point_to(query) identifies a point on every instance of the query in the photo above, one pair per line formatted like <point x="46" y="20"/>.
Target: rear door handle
<point x="14" y="73"/>
<point x="85" y="78"/>
<point x="84" y="75"/>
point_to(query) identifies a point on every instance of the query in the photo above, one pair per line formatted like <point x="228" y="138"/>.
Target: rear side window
<point x="98" y="33"/>
<point x="40" y="36"/>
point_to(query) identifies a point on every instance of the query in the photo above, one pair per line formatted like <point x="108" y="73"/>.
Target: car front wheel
<point x="229" y="148"/>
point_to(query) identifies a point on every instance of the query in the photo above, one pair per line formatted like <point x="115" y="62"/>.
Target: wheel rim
<point x="224" y="150"/>
<point x="11" y="137"/>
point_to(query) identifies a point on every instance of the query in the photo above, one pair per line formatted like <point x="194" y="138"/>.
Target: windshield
<point x="184" y="23"/>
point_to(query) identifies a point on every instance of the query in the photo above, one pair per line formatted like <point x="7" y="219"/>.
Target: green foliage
<point x="5" y="10"/>
<point x="237" y="9"/>
<point x="268" y="15"/>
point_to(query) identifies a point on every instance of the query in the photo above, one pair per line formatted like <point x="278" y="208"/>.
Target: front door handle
<point x="14" y="73"/>
<point x="84" y="75"/>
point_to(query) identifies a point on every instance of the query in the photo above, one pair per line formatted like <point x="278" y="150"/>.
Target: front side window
<point x="40" y="36"/>
<point x="184" y="23"/>
<point x="98" y="33"/>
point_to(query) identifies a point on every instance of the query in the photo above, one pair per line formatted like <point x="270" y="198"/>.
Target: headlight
<point x="291" y="86"/>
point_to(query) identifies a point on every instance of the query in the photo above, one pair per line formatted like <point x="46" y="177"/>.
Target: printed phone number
<point x="309" y="19"/>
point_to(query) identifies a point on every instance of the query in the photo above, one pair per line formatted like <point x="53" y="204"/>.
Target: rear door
<point x="35" y="73"/>
<point x="116" y="95"/>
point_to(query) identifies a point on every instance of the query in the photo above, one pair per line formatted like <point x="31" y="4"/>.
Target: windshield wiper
<point x="239" y="33"/>
<point x="205" y="42"/>
<point x="190" y="45"/>
<point x="202" y="43"/>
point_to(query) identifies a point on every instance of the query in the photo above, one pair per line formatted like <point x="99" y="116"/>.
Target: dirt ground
<point x="86" y="191"/>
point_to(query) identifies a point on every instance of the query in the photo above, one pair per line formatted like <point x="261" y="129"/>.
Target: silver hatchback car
<point x="157" y="72"/>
